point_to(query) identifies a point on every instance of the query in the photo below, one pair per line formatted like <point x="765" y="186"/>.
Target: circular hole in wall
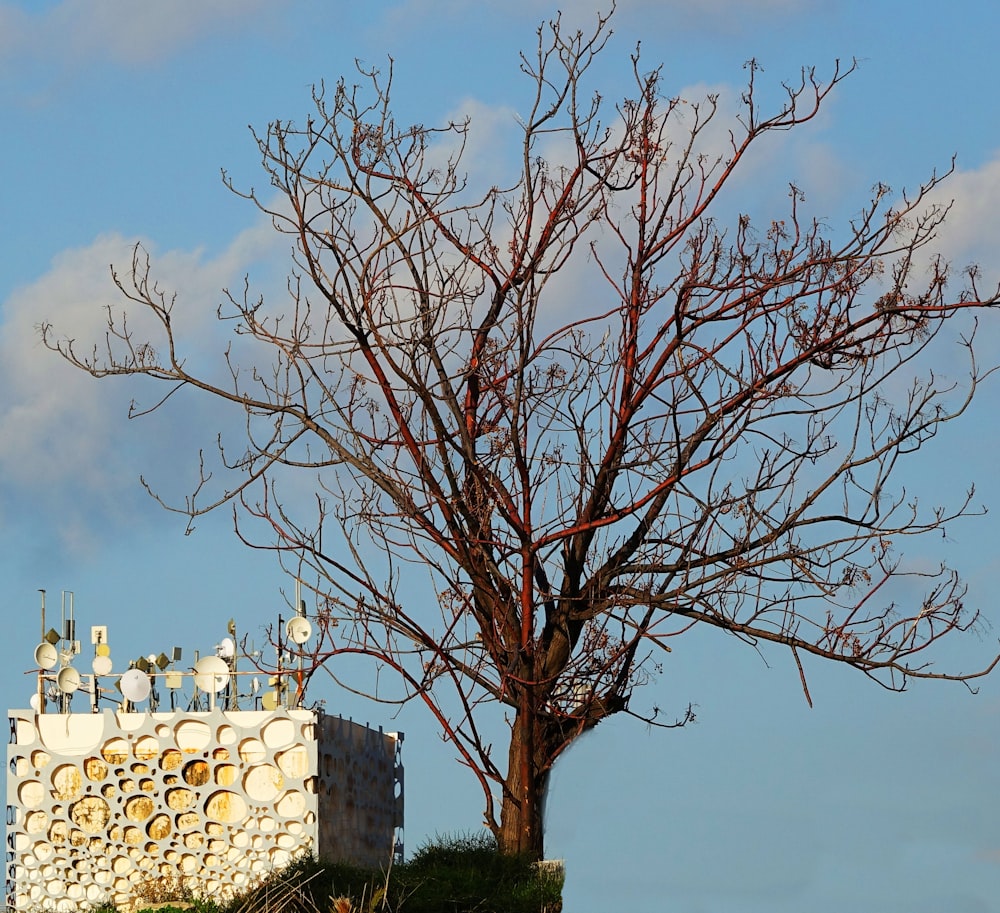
<point x="139" y="808"/>
<point x="95" y="769"/>
<point x="278" y="733"/>
<point x="146" y="748"/>
<point x="58" y="832"/>
<point x="196" y="773"/>
<point x="294" y="762"/>
<point x="291" y="805"/>
<point x="187" y="821"/>
<point x="67" y="782"/>
<point x="225" y="806"/>
<point x="159" y="827"/>
<point x="180" y="798"/>
<point x="31" y="794"/>
<point x="226" y="774"/>
<point x="192" y="735"/>
<point x="252" y="750"/>
<point x="90" y="814"/>
<point x="115" y="751"/>
<point x="171" y="759"/>
<point x="263" y="782"/>
<point x="36" y="822"/>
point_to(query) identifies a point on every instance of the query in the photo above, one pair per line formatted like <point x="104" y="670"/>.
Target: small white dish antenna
<point x="226" y="648"/>
<point x="68" y="680"/>
<point x="101" y="665"/>
<point x="35" y="702"/>
<point x="298" y="629"/>
<point x="254" y="685"/>
<point x="211" y="673"/>
<point x="46" y="656"/>
<point x="135" y="685"/>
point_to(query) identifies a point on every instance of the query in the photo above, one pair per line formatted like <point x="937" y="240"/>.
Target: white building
<point x="99" y="803"/>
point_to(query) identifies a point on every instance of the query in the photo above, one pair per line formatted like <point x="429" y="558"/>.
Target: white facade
<point x="98" y="803"/>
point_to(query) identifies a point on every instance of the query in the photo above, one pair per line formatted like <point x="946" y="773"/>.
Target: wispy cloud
<point x="971" y="232"/>
<point x="123" y="31"/>
<point x="67" y="452"/>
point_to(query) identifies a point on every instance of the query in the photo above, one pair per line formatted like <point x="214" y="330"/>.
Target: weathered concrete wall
<point x="100" y="803"/>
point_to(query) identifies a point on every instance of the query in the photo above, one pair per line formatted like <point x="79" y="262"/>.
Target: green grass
<point x="459" y="874"/>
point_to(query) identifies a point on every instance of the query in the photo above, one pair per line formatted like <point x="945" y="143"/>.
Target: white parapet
<point x="98" y="804"/>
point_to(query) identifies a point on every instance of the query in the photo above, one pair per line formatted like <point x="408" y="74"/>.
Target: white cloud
<point x="122" y="30"/>
<point x="971" y="233"/>
<point x="66" y="448"/>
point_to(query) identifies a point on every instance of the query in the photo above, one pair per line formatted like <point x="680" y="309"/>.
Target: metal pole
<point x="41" y="674"/>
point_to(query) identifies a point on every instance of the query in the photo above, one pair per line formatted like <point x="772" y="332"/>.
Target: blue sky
<point x="117" y="119"/>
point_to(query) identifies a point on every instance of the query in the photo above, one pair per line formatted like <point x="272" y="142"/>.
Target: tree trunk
<point x="521" y="824"/>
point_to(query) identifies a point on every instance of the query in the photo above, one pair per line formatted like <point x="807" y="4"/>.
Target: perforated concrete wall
<point x="99" y="803"/>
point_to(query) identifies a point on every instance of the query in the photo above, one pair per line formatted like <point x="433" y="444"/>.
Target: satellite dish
<point x="270" y="700"/>
<point x="46" y="656"/>
<point x="103" y="650"/>
<point x="226" y="648"/>
<point x="298" y="629"/>
<point x="211" y="673"/>
<point x="35" y="702"/>
<point x="135" y="685"/>
<point x="101" y="665"/>
<point x="68" y="680"/>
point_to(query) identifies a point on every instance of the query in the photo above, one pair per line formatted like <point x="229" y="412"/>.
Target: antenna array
<point x="212" y="681"/>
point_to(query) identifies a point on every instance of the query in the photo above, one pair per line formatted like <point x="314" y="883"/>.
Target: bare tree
<point x="594" y="417"/>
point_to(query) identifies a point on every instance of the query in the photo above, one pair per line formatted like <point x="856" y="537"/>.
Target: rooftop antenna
<point x="227" y="650"/>
<point x="211" y="674"/>
<point x="135" y="685"/>
<point x="298" y="639"/>
<point x="101" y="663"/>
<point x="69" y="624"/>
<point x="299" y="631"/>
<point x="172" y="678"/>
<point x="68" y="678"/>
<point x="279" y="697"/>
<point x="41" y="674"/>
